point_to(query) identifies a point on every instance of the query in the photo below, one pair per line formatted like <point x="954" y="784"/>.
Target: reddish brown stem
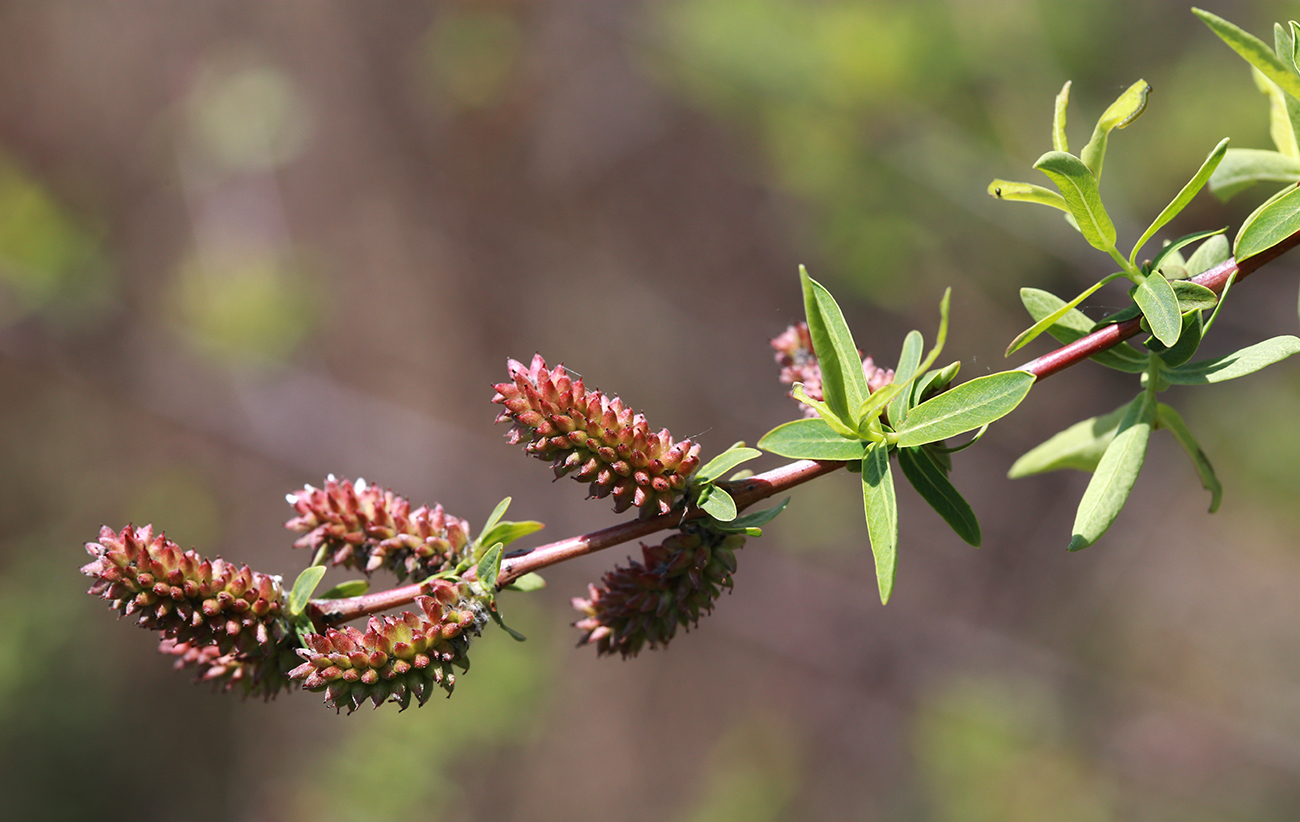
<point x="1109" y="336"/>
<point x="746" y="492"/>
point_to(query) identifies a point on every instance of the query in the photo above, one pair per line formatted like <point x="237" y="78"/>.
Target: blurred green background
<point x="243" y="245"/>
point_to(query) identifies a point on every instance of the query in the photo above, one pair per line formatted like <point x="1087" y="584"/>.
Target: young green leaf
<point x="1167" y="417"/>
<point x="881" y="507"/>
<point x="837" y="424"/>
<point x="721" y="465"/>
<point x="493" y="518"/>
<point x="1172" y="249"/>
<point x="1208" y="254"/>
<point x="1127" y="108"/>
<point x="1281" y="120"/>
<point x="932" y="382"/>
<point x="507" y="532"/>
<point x="965" y="408"/>
<point x="1079" y="188"/>
<point x="750" y="524"/>
<point x="528" y="582"/>
<point x="1246" y="361"/>
<point x="489" y="567"/>
<point x="810" y="440"/>
<point x="1078" y="447"/>
<point x="1116" y="473"/>
<point x="1193" y="296"/>
<point x="904" y="373"/>
<point x="1159" y="304"/>
<point x="1243" y="167"/>
<point x="1184" y="197"/>
<point x="1047" y="321"/>
<point x="844" y="384"/>
<point x="1188" y="341"/>
<point x="1027" y="193"/>
<point x="933" y="485"/>
<point x="718" y="504"/>
<point x="303" y="587"/>
<point x="1269" y="225"/>
<point x="350" y="588"/>
<point x="1075" y="324"/>
<point x="1059" y="142"/>
<point x="1255" y="51"/>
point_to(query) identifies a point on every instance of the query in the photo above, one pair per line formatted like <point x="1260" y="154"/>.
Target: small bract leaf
<point x="344" y="590"/>
<point x="303" y="587"/>
<point x="965" y="407"/>
<point x="718" y="504"/>
<point x="1155" y="296"/>
<point x="530" y="581"/>
<point x="1243" y="167"/>
<point x="489" y="567"/>
<point x="1167" y="417"/>
<point x="1079" y="188"/>
<point x="1079" y="447"/>
<point x="881" y="507"/>
<point x="497" y="513"/>
<point x="1270" y="225"/>
<point x="933" y="485"/>
<point x="810" y="440"/>
<point x="1116" y="473"/>
<point x="752" y="522"/>
<point x="1246" y="361"/>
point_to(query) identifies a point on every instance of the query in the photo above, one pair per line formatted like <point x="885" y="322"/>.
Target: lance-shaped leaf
<point x="1281" y="122"/>
<point x="1116" y="473"/>
<point x="749" y="524"/>
<point x="1074" y="324"/>
<point x="1170" y="419"/>
<point x="721" y="465"/>
<point x="1079" y="188"/>
<point x="1243" y="167"/>
<point x="904" y="373"/>
<point x="528" y="582"/>
<point x="1059" y="142"/>
<point x="810" y="440"/>
<point x="881" y="507"/>
<point x="1079" y="447"/>
<point x="1184" y="197"/>
<point x="844" y="384"/>
<point x="1172" y="249"/>
<point x="1027" y="193"/>
<point x="1048" y="320"/>
<point x="1246" y="361"/>
<point x="1255" y="51"/>
<point x="965" y="408"/>
<point x="1208" y="254"/>
<point x="933" y="485"/>
<point x="1269" y="225"/>
<point x="1126" y="108"/>
<point x="344" y="590"/>
<point x="1159" y="304"/>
